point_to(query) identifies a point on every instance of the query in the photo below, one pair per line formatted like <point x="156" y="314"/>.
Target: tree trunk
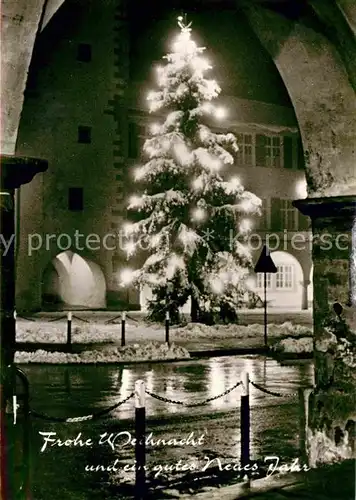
<point x="195" y="310"/>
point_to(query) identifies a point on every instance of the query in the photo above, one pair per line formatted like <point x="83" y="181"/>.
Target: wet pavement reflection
<point x="71" y="391"/>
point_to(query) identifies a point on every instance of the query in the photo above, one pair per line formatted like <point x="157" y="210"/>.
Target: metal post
<point x="123" y="321"/>
<point x="167" y="327"/>
<point x="245" y="419"/>
<point x="265" y="306"/>
<point x="69" y="331"/>
<point x="26" y="488"/>
<point x="140" y="445"/>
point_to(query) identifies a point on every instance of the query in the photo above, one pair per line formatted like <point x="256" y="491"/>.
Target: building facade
<point x="85" y="113"/>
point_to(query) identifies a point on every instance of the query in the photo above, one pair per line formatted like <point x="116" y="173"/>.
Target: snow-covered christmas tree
<point x="192" y="219"/>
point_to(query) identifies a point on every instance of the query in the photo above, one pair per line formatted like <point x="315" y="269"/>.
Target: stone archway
<point x="321" y="81"/>
<point x="74" y="281"/>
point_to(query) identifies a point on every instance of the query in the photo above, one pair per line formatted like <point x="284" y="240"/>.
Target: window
<point x="300" y="155"/>
<point x="84" y="134"/>
<point x="84" y="52"/>
<point x="289" y="215"/>
<point x="284" y="276"/>
<point x="245" y="153"/>
<point x="137" y="138"/>
<point x="273" y="151"/>
<point x="269" y="150"/>
<point x="75" y="199"/>
<point x="260" y="280"/>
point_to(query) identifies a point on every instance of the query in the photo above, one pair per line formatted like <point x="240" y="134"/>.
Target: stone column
<point x="15" y="171"/>
<point x="332" y="402"/>
<point x="305" y="284"/>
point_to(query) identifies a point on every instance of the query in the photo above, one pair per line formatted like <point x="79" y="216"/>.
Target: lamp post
<point x="265" y="265"/>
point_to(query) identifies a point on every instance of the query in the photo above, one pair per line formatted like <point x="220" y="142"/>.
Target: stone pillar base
<point x="332" y="403"/>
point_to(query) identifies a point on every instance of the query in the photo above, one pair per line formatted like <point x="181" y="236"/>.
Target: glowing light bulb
<point x="245" y="225"/>
<point x="217" y="286"/>
<point x="200" y="64"/>
<point x="126" y="276"/>
<point x="235" y="182"/>
<point x="136" y="201"/>
<point x="155" y="128"/>
<point x="204" y="134"/>
<point x="155" y="240"/>
<point x="139" y="173"/>
<point x="207" y="107"/>
<point x="199" y="214"/>
<point x="198" y="183"/>
<point x="220" y="113"/>
<point x="128" y="228"/>
<point x="130" y="247"/>
<point x="246" y="205"/>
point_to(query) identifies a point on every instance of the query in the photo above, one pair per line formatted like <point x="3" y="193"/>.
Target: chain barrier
<point x="94" y="416"/>
<point x="272" y="393"/>
<point x="191" y="405"/>
<point x="104" y="412"/>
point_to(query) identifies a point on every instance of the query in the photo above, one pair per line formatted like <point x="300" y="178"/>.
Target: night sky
<point x="240" y="64"/>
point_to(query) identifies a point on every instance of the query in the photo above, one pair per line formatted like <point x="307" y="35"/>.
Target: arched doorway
<point x="74" y="281"/>
<point x="285" y="288"/>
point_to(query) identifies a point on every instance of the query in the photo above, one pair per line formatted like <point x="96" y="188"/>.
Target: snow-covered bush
<point x="294" y="345"/>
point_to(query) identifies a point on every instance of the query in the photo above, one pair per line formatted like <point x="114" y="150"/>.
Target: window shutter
<point x="276" y="216"/>
<point x="300" y="154"/>
<point x="288" y="152"/>
<point x="75" y="199"/>
<point x="260" y="150"/>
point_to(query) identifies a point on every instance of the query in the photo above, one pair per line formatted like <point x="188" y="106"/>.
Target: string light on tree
<point x="136" y="201"/>
<point x="126" y="276"/>
<point x="199" y="214"/>
<point x="198" y="183"/>
<point x="220" y="113"/>
<point x="155" y="128"/>
<point x="245" y="225"/>
<point x="217" y="286"/>
<point x="139" y="173"/>
<point x="235" y="183"/>
<point x="130" y="248"/>
<point x="128" y="228"/>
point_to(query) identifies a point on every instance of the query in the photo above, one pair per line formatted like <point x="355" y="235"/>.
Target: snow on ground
<point x="107" y="354"/>
<point x="88" y="333"/>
